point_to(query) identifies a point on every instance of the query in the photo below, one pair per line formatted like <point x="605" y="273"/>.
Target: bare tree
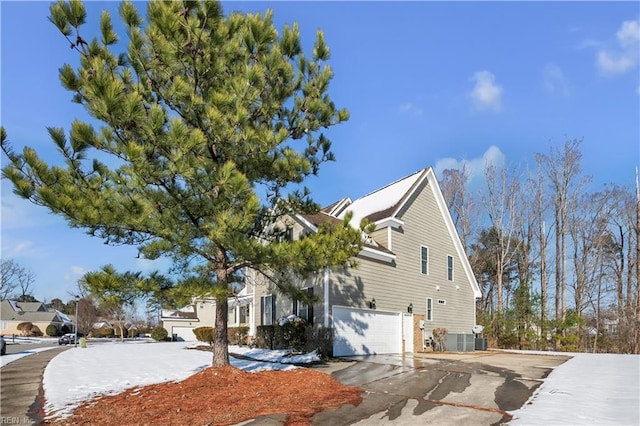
<point x="562" y="169"/>
<point x="455" y="190"/>
<point x="500" y="204"/>
<point x="17" y="281"/>
<point x="587" y="230"/>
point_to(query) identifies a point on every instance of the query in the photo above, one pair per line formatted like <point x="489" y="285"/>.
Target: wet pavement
<point x="476" y="388"/>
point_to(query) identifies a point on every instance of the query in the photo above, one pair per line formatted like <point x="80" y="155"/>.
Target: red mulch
<point x="219" y="396"/>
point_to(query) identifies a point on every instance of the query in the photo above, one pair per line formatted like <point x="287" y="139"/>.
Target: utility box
<point x="83" y="342"/>
<point x="481" y="344"/>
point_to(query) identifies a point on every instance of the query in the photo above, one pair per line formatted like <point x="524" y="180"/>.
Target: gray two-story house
<point x="412" y="276"/>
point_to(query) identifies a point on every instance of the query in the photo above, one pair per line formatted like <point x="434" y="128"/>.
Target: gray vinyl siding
<point x="396" y="285"/>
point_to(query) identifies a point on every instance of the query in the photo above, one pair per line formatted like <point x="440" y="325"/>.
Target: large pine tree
<point x="208" y="125"/>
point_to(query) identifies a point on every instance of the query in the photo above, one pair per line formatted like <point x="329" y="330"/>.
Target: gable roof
<point x="383" y="205"/>
<point x="383" y="202"/>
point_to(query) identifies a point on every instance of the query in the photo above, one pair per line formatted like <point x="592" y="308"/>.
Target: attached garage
<point x="183" y="333"/>
<point x="366" y="332"/>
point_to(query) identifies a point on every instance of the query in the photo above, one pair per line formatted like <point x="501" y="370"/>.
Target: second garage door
<point x="366" y="332"/>
<point x="183" y="333"/>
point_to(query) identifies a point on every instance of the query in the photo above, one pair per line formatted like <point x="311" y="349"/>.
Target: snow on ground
<point x="588" y="389"/>
<point x="113" y="366"/>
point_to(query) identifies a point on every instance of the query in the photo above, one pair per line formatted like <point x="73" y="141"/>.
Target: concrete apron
<point x="476" y="388"/>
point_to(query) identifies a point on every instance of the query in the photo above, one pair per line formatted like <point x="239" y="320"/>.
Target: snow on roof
<point x="381" y="199"/>
<point x="62" y="316"/>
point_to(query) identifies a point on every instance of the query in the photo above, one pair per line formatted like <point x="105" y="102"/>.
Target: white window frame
<point x="267" y="320"/>
<point x="450" y="269"/>
<point x="429" y="311"/>
<point x="424" y="263"/>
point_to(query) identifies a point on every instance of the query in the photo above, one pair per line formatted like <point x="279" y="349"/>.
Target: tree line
<point x="557" y="261"/>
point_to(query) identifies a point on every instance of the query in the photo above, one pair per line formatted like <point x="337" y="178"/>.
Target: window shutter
<point x="310" y="308"/>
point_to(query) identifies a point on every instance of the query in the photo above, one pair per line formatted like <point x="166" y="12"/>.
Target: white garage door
<point x="184" y="333"/>
<point x="366" y="332"/>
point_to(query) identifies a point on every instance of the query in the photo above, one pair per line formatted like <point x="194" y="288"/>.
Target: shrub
<point x="265" y="336"/>
<point x="291" y="333"/>
<point x="159" y="334"/>
<point x="35" y="332"/>
<point x="52" y="330"/>
<point x="25" y="328"/>
<point x="103" y="332"/>
<point x="237" y="335"/>
<point x="320" y="339"/>
<point x="66" y="328"/>
<point x="439" y="335"/>
<point x="204" y="334"/>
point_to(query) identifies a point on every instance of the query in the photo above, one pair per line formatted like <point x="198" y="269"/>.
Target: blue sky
<point x="426" y="83"/>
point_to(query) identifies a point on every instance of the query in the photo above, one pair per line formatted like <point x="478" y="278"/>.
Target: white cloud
<point x="624" y="56"/>
<point x="411" y="108"/>
<point x="475" y="166"/>
<point x="75" y="273"/>
<point x="555" y="81"/>
<point x="12" y="249"/>
<point x="486" y="94"/>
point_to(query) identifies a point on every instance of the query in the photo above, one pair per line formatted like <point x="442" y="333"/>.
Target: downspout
<point x="326" y="298"/>
<point x="252" y="315"/>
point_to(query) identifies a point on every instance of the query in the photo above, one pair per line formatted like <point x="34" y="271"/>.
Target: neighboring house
<point x="412" y="276"/>
<point x="13" y="313"/>
<point x="180" y="323"/>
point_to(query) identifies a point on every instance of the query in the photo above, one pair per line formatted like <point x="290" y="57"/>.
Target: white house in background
<point x="413" y="275"/>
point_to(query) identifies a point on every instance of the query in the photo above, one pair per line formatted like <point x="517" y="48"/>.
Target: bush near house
<point x="320" y="339"/>
<point x="52" y="330"/>
<point x="204" y="334"/>
<point x="237" y="335"/>
<point x="66" y="329"/>
<point x="102" y="332"/>
<point x="288" y="334"/>
<point x="159" y="334"/>
<point x="27" y="329"/>
<point x="439" y="335"/>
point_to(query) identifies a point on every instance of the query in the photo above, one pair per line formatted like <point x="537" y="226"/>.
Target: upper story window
<point x="429" y="309"/>
<point x="424" y="260"/>
<point x="450" y="268"/>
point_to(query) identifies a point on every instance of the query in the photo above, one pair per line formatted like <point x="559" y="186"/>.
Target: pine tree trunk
<point x="220" y="339"/>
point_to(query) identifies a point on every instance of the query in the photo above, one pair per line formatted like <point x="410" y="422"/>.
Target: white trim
<point x="308" y="224"/>
<point x="426" y="247"/>
<point x="391" y="222"/>
<point x="326" y="297"/>
<point x="377" y="255"/>
<point x="466" y="266"/>
<point x="427" y="310"/>
<point x="389" y="242"/>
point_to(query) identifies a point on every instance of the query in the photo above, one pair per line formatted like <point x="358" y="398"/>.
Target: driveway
<point x="477" y="388"/>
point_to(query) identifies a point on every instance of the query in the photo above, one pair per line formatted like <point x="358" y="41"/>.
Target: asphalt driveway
<point x="476" y="388"/>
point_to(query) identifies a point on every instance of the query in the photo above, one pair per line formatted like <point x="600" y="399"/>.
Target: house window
<point x="244" y="315"/>
<point x="286" y="235"/>
<point x="231" y="317"/>
<point x="268" y="308"/>
<point x="424" y="260"/>
<point x="450" y="268"/>
<point x="429" y="309"/>
<point x="303" y="310"/>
